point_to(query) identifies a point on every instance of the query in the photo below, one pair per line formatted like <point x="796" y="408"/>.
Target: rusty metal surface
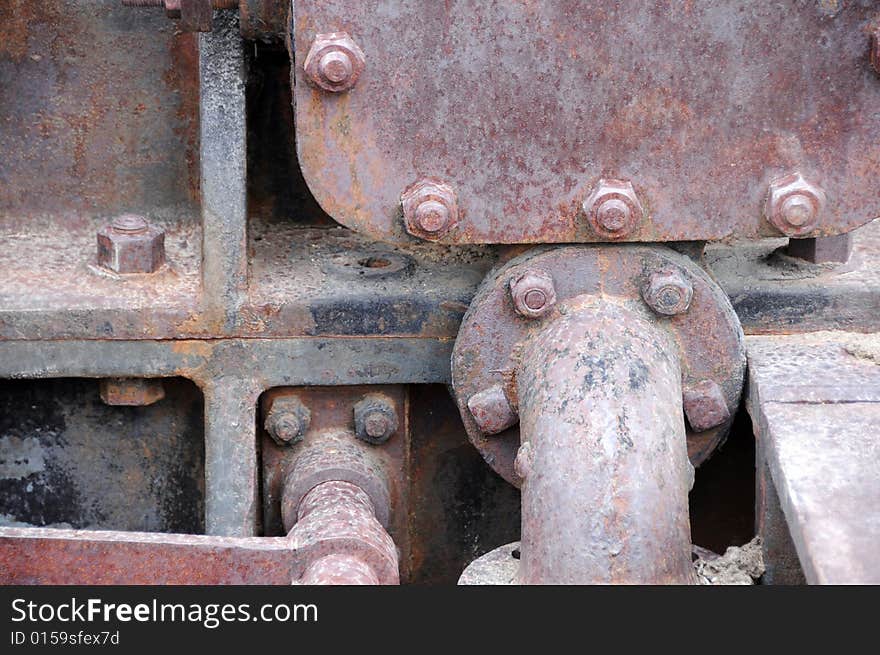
<point x="522" y="107"/>
<point x="98" y="113"/>
<point x="337" y="518"/>
<point x="774" y="293"/>
<point x="51" y="556"/>
<point x="603" y="461"/>
<point x="266" y="20"/>
<point x="487" y="351"/>
<point x="815" y="402"/>
<point x="69" y="460"/>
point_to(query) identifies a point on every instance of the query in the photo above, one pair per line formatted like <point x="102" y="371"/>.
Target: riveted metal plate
<point x="522" y="107"/>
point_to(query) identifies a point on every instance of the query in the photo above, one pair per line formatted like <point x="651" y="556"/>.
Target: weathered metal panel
<point x="521" y="107"/>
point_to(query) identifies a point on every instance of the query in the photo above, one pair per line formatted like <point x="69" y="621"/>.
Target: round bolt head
<point x="492" y="410"/>
<point x="430" y="208"/>
<point x="668" y="292"/>
<point x="334" y="62"/>
<point x="794" y="205"/>
<point x="613" y="209"/>
<point x="287" y="421"/>
<point x="522" y="465"/>
<point x="705" y="405"/>
<point x="533" y="293"/>
<point x="375" y="419"/>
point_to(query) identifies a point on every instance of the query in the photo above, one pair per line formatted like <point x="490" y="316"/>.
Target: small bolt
<point x="430" y="208"/>
<point x="613" y="209"/>
<point x="287" y="421"/>
<point x="668" y="292"/>
<point x="705" y="405"/>
<point x="492" y="410"/>
<point x="375" y="419"/>
<point x="794" y="205"/>
<point x="533" y="293"/>
<point x="334" y="62"/>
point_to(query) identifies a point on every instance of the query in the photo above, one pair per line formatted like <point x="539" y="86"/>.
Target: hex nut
<point x="668" y="292"/>
<point x="492" y="410"/>
<point x="375" y="419"/>
<point x="705" y="405"/>
<point x="287" y="420"/>
<point x="794" y="205"/>
<point x="334" y="62"/>
<point x="613" y="209"/>
<point x="131" y="245"/>
<point x="430" y="208"/>
<point x="533" y="293"/>
<point x="131" y="392"/>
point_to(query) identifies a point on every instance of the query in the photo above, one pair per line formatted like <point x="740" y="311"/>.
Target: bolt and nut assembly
<point x="533" y="293"/>
<point x="131" y="245"/>
<point x="430" y="208"/>
<point x="375" y="419"/>
<point x="613" y="209"/>
<point x="794" y="205"/>
<point x="287" y="421"/>
<point x="334" y="62"/>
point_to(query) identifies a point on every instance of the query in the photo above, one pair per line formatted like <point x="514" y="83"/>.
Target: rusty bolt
<point x="705" y="405"/>
<point x="492" y="410"/>
<point x="668" y="292"/>
<point x="613" y="209"/>
<point x="522" y="465"/>
<point x="375" y="419"/>
<point x="533" y="293"/>
<point x="430" y="208"/>
<point x="334" y="62"/>
<point x="287" y="420"/>
<point x="131" y="392"/>
<point x="131" y="245"/>
<point x="875" y="49"/>
<point x="794" y="205"/>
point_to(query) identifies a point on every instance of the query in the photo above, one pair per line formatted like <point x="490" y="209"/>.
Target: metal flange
<point x="643" y="279"/>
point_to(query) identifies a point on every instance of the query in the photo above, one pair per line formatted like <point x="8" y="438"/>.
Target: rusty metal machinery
<point x="398" y="291"/>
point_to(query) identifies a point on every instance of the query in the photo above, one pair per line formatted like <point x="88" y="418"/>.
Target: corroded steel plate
<point x="487" y="350"/>
<point x="523" y="106"/>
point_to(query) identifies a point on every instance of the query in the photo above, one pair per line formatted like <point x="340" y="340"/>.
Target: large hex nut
<point x="131" y="245"/>
<point x="334" y="62"/>
<point x="287" y="420"/>
<point x="430" y="208"/>
<point x="533" y="293"/>
<point x="794" y="205"/>
<point x="375" y="419"/>
<point x="613" y="209"/>
<point x="705" y="405"/>
<point x="668" y="292"/>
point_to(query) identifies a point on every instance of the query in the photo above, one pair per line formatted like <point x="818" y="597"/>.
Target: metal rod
<point x="604" y="457"/>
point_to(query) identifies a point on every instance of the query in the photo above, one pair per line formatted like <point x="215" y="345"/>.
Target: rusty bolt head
<point x="875" y="49"/>
<point x="334" y="62"/>
<point x="430" y="208"/>
<point x="287" y="421"/>
<point x="705" y="405"/>
<point x="131" y="245"/>
<point x="533" y="293"/>
<point x="613" y="209"/>
<point x="492" y="410"/>
<point x="794" y="205"/>
<point x="668" y="292"/>
<point x="375" y="419"/>
<point x="522" y="465"/>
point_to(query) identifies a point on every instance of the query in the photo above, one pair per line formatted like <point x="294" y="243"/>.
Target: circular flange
<point x="708" y="334"/>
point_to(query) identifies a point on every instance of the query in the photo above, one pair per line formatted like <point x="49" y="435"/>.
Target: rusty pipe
<point x="332" y="502"/>
<point x="603" y="455"/>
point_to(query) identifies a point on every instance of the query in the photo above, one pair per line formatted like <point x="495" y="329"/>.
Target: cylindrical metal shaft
<point x="603" y="455"/>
